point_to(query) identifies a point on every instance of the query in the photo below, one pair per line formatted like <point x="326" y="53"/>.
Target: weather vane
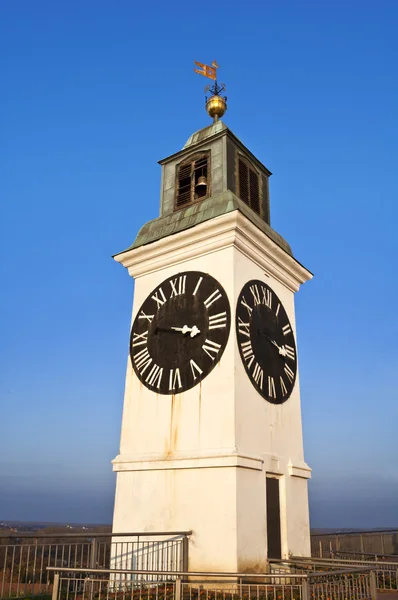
<point x="216" y="105"/>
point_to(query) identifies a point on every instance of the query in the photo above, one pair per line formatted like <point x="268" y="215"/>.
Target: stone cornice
<point x="220" y="458"/>
<point x="232" y="229"/>
<point x="301" y="470"/>
<point x="217" y="459"/>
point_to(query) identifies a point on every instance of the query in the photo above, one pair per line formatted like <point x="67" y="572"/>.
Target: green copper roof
<point x="205" y="133"/>
<point x="199" y="213"/>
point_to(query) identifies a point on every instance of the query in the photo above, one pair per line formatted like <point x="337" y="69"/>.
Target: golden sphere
<point x="216" y="106"/>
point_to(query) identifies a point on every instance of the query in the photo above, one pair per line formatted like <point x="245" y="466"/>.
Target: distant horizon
<point x="60" y="497"/>
<point x="89" y="524"/>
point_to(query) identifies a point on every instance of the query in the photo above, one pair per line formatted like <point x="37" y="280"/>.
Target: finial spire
<point x="216" y="105"/>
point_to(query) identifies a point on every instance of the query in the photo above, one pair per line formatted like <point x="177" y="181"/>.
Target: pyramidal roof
<point x="206" y="132"/>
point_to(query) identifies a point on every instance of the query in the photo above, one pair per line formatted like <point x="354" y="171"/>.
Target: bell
<point x="202" y="182"/>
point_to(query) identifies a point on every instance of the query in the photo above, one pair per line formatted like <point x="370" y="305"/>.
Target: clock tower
<point x="211" y="436"/>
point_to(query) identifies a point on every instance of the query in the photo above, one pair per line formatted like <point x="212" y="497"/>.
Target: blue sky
<point x="93" y="94"/>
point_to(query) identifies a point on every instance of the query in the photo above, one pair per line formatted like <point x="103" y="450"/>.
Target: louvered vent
<point x="254" y="191"/>
<point x="244" y="182"/>
<point x="184" y="185"/>
<point x="189" y="188"/>
<point x="249" y="189"/>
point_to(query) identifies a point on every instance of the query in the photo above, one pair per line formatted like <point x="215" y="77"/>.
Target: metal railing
<point x="372" y="542"/>
<point x="385" y="573"/>
<point x="364" y="556"/>
<point x="25" y="559"/>
<point x="102" y="584"/>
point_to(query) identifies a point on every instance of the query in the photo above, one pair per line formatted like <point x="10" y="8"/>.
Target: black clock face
<point x="180" y="332"/>
<point x="266" y="342"/>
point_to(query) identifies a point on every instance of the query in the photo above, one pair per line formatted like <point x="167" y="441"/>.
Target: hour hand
<point x="282" y="349"/>
<point x="184" y="330"/>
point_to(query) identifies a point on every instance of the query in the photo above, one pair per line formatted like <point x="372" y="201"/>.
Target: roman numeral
<point x="195" y="369"/>
<point x="283" y="387"/>
<point x="154" y="376"/>
<point x="178" y="285"/>
<point x="211" y="348"/>
<point x="247" y="352"/>
<point x="142" y="360"/>
<point x="174" y="379"/>
<point x="218" y="321"/>
<point x="197" y="286"/>
<point x="255" y="293"/>
<point x="289" y="373"/>
<point x="286" y="329"/>
<point x="161" y="300"/>
<point x="258" y="375"/>
<point x="212" y="298"/>
<point x="267" y="297"/>
<point x="271" y="387"/>
<point x="290" y="353"/>
<point x="277" y="309"/>
<point x="244" y="328"/>
<point x="140" y="339"/>
<point x="142" y="315"/>
<point x="245" y="304"/>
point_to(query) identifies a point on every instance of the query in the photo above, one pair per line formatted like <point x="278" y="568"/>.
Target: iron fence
<point x="342" y="584"/>
<point x="25" y="559"/>
<point x="361" y="543"/>
<point x="385" y="573"/>
<point x="364" y="556"/>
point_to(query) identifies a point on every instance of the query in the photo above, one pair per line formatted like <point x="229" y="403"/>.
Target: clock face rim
<point x="280" y="399"/>
<point x="221" y="338"/>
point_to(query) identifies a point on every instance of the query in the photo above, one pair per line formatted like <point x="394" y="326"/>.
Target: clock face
<point x="266" y="342"/>
<point x="180" y="332"/>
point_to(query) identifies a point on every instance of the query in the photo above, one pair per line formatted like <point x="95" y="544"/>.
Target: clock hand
<point x="192" y="330"/>
<point x="267" y="337"/>
<point x="282" y="349"/>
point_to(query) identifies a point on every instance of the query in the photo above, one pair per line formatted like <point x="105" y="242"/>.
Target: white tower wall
<point x="199" y="460"/>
